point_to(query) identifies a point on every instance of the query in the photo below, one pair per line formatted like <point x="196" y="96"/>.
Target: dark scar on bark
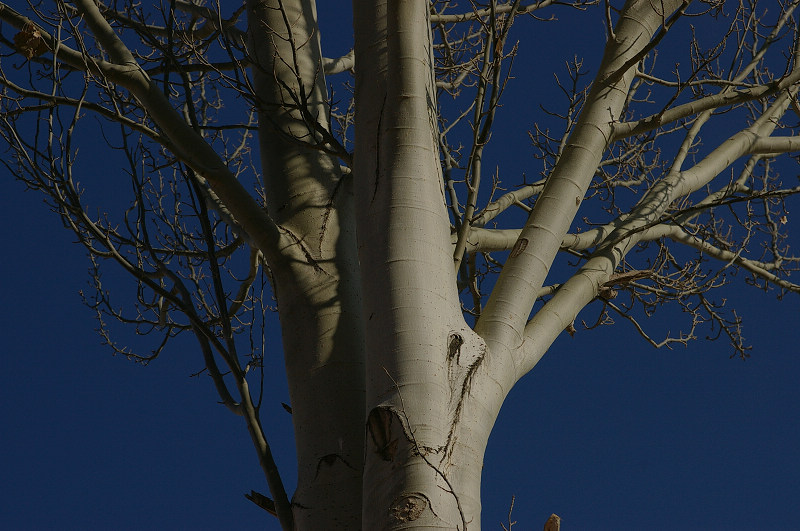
<point x="519" y="247"/>
<point x="454" y="347"/>
<point x="379" y="424"/>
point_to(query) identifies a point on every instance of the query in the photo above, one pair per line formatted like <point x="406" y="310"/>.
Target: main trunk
<point x="421" y="471"/>
<point x="316" y="279"/>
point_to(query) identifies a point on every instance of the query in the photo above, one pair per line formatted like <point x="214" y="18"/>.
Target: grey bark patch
<point x="408" y="508"/>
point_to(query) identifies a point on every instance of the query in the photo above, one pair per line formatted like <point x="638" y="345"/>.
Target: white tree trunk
<point x="434" y="387"/>
<point x="418" y="344"/>
<point x="316" y="278"/>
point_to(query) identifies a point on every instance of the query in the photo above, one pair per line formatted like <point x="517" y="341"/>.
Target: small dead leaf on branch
<point x="553" y="523"/>
<point x="29" y="41"/>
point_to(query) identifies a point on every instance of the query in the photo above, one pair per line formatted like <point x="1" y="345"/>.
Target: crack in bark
<point x="466" y="384"/>
<point x="378" y="149"/>
<point x="329" y="209"/>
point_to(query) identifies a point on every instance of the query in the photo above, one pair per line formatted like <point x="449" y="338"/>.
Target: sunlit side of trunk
<point x="316" y="282"/>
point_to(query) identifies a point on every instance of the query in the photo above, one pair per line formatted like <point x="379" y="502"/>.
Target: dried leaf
<point x="29" y="41"/>
<point x="553" y="523"/>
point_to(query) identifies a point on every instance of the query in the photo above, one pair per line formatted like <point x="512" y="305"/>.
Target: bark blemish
<point x="330" y="461"/>
<point x="460" y="395"/>
<point x="378" y="149"/>
<point x="379" y="425"/>
<point x="454" y="347"/>
<point x="329" y="209"/>
<point x="520" y="246"/>
<point x="408" y="508"/>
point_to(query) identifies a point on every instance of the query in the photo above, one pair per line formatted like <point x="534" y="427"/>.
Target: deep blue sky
<point x="606" y="431"/>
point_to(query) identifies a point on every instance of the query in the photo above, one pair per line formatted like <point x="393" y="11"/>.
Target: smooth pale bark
<point x="316" y="278"/>
<point x="508" y="309"/>
<point x="434" y="389"/>
<point x="513" y="349"/>
<point x="419" y="349"/>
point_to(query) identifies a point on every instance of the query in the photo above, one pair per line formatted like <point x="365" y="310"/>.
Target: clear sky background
<point x="607" y="432"/>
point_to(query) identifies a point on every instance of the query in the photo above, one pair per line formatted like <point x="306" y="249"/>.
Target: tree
<point x="411" y="295"/>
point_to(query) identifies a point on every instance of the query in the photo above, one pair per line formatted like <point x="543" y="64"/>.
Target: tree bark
<point x="434" y="388"/>
<point x="419" y="347"/>
<point x="316" y="278"/>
